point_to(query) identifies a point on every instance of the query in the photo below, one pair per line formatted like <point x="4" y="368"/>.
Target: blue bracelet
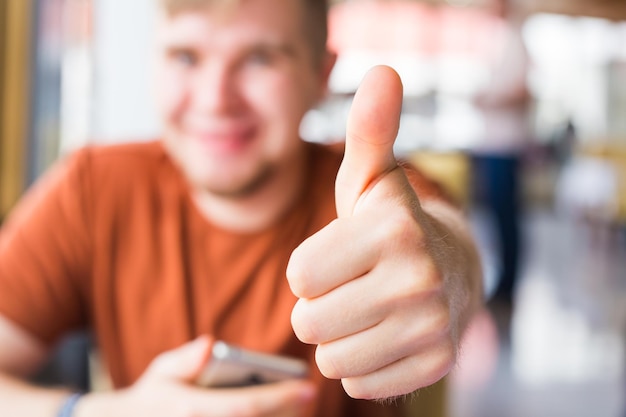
<point x="67" y="410"/>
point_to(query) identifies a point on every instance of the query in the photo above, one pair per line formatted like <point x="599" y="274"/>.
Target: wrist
<point x="96" y="405"/>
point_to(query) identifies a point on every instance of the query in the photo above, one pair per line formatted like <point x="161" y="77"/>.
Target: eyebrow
<point x="283" y="48"/>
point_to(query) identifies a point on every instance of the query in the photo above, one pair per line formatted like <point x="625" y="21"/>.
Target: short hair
<point x="314" y="19"/>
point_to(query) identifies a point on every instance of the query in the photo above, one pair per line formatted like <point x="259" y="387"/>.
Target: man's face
<point x="232" y="86"/>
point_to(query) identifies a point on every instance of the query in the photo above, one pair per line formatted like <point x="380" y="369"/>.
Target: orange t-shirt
<point x="111" y="240"/>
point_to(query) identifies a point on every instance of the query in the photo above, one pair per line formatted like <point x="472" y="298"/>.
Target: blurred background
<point x="517" y="107"/>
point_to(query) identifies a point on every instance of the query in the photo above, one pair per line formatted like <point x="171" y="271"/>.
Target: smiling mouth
<point x="224" y="142"/>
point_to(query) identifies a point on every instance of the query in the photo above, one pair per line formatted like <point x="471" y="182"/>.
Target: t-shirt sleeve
<point x="45" y="248"/>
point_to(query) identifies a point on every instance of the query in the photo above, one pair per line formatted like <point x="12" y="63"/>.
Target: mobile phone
<point x="232" y="366"/>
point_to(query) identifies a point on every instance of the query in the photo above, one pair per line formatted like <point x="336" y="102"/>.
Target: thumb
<point x="372" y="128"/>
<point x="183" y="363"/>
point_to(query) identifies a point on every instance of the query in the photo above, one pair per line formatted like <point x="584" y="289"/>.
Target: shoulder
<point x="119" y="165"/>
<point x="135" y="156"/>
<point x="81" y="178"/>
<point x="112" y="178"/>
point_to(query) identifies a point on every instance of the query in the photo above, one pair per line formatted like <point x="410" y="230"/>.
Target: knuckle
<point x="441" y="318"/>
<point x="418" y="272"/>
<point x="431" y="327"/>
<point x="411" y="288"/>
<point x="423" y="280"/>
<point x="402" y="228"/>
<point x="441" y="364"/>
<point x="432" y="274"/>
<point x="420" y="282"/>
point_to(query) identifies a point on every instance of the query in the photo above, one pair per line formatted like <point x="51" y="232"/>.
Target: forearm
<point x="101" y="404"/>
<point x="18" y="398"/>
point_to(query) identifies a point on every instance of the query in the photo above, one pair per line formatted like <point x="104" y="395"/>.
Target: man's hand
<point x="385" y="287"/>
<point x="167" y="389"/>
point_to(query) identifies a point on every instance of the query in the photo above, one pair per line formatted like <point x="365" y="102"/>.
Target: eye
<point x="260" y="57"/>
<point x="184" y="57"/>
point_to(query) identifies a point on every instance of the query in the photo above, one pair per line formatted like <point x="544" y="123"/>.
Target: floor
<point x="565" y="356"/>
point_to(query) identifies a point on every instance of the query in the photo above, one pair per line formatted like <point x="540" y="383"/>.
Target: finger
<point x="343" y="312"/>
<point x="372" y="128"/>
<point x="362" y="303"/>
<point x="183" y="363"/>
<point x="348" y="249"/>
<point x="416" y="329"/>
<point x="405" y="375"/>
<point x="276" y="399"/>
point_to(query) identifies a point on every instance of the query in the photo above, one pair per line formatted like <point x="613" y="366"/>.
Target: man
<point x="497" y="156"/>
<point x="163" y="247"/>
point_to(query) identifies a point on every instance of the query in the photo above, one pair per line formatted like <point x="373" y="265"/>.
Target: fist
<point x="373" y="287"/>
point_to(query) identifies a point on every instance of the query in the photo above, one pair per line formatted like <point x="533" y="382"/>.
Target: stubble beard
<point x="239" y="191"/>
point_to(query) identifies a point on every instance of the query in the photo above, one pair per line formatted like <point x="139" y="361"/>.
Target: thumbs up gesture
<point x="386" y="289"/>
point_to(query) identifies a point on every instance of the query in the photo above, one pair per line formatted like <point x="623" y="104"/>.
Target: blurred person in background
<point x="231" y="227"/>
<point x="503" y="103"/>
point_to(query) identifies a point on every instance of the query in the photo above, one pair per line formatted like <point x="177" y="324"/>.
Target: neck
<point x="260" y="209"/>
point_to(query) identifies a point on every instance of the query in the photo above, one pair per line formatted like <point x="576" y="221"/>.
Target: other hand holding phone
<point x="169" y="388"/>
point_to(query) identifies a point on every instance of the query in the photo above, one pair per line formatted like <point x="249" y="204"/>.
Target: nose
<point x="216" y="90"/>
